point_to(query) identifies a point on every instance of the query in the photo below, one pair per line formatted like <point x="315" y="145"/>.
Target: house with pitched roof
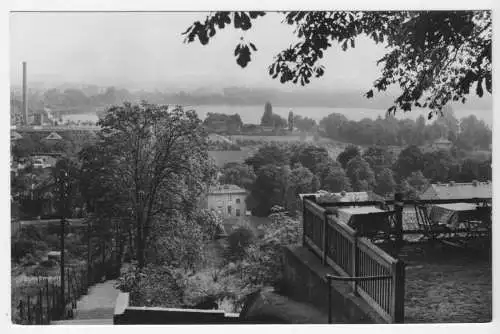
<point x="454" y="190"/>
<point x="53" y="136"/>
<point x="228" y="200"/>
<point x="442" y="144"/>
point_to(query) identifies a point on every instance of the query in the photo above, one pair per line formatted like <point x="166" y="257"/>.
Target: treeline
<point x="277" y="173"/>
<point x="232" y="124"/>
<point x="467" y="133"/>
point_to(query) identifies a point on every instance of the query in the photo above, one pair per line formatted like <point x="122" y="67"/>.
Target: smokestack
<point x="25" y="100"/>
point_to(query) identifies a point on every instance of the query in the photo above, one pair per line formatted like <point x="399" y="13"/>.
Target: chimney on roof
<point x="452" y="183"/>
<point x="25" y="99"/>
<point x="474" y="183"/>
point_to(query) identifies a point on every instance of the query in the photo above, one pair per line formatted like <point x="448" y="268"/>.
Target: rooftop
<point x="227" y="189"/>
<point x="442" y="140"/>
<point x="458" y="190"/>
<point x="347" y="196"/>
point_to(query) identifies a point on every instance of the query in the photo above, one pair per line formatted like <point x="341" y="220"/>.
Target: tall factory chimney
<point x="25" y="98"/>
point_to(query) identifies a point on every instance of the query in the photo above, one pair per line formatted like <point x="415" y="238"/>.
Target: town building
<point x="344" y="196"/>
<point x="454" y="190"/>
<point x="53" y="136"/>
<point x="228" y="200"/>
<point x="442" y="144"/>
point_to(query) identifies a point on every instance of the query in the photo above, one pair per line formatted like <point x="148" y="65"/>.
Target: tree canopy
<point x="433" y="56"/>
<point x="156" y="159"/>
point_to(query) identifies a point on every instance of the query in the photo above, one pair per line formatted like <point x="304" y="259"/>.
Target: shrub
<point x="239" y="240"/>
<point x="152" y="286"/>
<point x="20" y="248"/>
<point x="47" y="263"/>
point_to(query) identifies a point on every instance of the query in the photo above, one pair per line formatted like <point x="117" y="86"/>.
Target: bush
<point x="239" y="240"/>
<point x="48" y="263"/>
<point x="152" y="286"/>
<point x="28" y="260"/>
<point x="21" y="248"/>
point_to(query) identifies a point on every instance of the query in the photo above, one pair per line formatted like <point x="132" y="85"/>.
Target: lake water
<point x="252" y="114"/>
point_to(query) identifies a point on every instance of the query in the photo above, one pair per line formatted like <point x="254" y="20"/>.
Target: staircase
<point x="95" y="308"/>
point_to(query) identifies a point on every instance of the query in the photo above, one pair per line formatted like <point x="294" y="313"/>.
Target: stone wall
<point x="304" y="281"/>
<point x="128" y="315"/>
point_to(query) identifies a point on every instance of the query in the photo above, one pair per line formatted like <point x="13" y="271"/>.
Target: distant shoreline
<point x="250" y="114"/>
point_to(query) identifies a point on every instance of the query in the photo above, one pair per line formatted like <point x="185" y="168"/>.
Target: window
<point x="237" y="201"/>
<point x="238" y="212"/>
<point x="229" y="209"/>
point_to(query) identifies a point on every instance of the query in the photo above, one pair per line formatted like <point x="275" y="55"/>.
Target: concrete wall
<point x="304" y="281"/>
<point x="128" y="315"/>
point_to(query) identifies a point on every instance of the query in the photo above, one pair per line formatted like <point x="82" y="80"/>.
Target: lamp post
<point x="64" y="189"/>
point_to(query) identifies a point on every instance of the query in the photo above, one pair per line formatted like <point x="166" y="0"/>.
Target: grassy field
<point x="288" y="138"/>
<point x="445" y="284"/>
<point x="223" y="157"/>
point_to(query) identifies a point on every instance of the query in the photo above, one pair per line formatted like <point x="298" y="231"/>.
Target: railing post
<point x="325" y="236"/>
<point x="40" y="305"/>
<point x="21" y="310"/>
<point x="329" y="300"/>
<point x="398" y="293"/>
<point x="29" y="310"/>
<point x="304" y="221"/>
<point x="398" y="207"/>
<point x="47" y="295"/>
<point x="354" y="257"/>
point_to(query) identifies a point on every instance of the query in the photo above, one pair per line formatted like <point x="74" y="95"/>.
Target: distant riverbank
<point x="252" y="114"/>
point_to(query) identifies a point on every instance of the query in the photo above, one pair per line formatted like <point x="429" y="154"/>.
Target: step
<point x="98" y="313"/>
<point x="84" y="322"/>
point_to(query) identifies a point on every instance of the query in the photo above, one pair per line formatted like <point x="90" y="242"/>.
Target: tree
<point x="346" y="155"/>
<point x="25" y="146"/>
<point x="378" y="157"/>
<point x="278" y="122"/>
<point x="304" y="124"/>
<point x="411" y="159"/>
<point x="385" y="183"/>
<point x="273" y="154"/>
<point x="269" y="189"/>
<point x="449" y="50"/>
<point x="408" y="191"/>
<point x="449" y="123"/>
<point x="336" y="181"/>
<point x="301" y="181"/>
<point x="333" y="124"/>
<point x="159" y="161"/>
<point x="241" y="175"/>
<point x="309" y="156"/>
<point x="267" y="117"/>
<point x="290" y="121"/>
<point x="360" y="174"/>
<point x="223" y="123"/>
<point x="325" y="167"/>
<point x="440" y="166"/>
<point x="417" y="181"/>
<point x="474" y="134"/>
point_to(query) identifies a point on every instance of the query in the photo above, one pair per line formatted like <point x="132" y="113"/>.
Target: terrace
<point x="405" y="273"/>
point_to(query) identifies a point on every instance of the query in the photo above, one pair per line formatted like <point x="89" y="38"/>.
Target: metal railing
<point x="355" y="258"/>
<point x="43" y="302"/>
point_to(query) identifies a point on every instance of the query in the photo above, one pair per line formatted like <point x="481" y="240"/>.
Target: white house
<point x="228" y="200"/>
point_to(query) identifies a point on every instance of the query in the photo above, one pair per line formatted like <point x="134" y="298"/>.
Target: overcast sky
<point x="134" y="49"/>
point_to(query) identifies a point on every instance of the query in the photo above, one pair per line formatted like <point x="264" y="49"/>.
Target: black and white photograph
<point x="198" y="167"/>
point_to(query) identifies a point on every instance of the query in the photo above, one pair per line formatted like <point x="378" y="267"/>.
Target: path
<point x="96" y="307"/>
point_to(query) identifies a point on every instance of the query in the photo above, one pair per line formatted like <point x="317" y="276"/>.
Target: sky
<point x="146" y="50"/>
